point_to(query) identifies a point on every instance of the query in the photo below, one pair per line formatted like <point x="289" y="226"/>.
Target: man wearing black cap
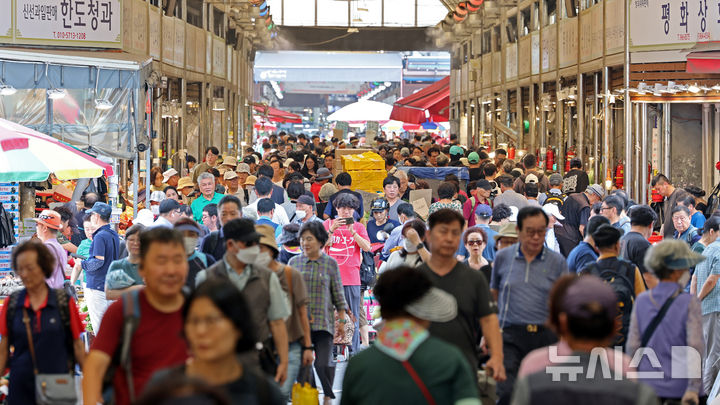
<point x="380" y="209"/>
<point x="105" y="249"/>
<point x="169" y="213"/>
<point x="259" y="284"/>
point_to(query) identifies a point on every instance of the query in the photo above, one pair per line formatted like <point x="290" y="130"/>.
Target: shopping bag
<point x="303" y="392"/>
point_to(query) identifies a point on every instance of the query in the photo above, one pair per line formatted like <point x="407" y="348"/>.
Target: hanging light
<point x="56" y="94"/>
<point x="7" y="90"/>
<point x="103" y="104"/>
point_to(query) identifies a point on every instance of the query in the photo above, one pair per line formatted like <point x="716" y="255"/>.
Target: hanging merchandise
<point x="655" y="196"/>
<point x="619" y="175"/>
<point x="550" y="159"/>
<point x="570" y="155"/>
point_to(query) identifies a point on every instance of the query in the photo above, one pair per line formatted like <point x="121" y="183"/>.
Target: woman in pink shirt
<point x="347" y="240"/>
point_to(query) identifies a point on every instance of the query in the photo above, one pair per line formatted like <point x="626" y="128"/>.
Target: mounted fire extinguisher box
<point x="550" y="159"/>
<point x="619" y="175"/>
<point x="570" y="155"/>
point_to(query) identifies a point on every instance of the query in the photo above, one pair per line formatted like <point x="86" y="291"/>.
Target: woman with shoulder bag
<point x="665" y="318"/>
<point x="44" y="327"/>
<point x="325" y="289"/>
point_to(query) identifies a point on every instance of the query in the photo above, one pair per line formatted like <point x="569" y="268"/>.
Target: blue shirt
<point x="392" y="242"/>
<point x="265" y="220"/>
<point x="697" y="220"/>
<point x="106" y="244"/>
<point x="373" y="229"/>
<point x="581" y="256"/>
<point x="524" y="287"/>
<point x="705" y="269"/>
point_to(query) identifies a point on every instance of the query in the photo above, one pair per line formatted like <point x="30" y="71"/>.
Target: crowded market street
<point x="359" y="202"/>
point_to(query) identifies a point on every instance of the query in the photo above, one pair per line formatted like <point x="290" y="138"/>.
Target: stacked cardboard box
<point x="366" y="169"/>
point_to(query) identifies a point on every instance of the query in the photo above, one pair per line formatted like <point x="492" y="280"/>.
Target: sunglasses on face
<point x="475" y="242"/>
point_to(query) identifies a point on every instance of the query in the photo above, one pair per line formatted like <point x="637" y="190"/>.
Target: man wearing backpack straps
<point x="554" y="194"/>
<point x="623" y="276"/>
<point x="142" y="332"/>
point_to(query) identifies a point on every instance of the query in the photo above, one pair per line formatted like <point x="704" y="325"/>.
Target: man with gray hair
<point x="206" y="183"/>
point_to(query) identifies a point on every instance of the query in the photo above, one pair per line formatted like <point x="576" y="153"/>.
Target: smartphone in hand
<point x="348" y="221"/>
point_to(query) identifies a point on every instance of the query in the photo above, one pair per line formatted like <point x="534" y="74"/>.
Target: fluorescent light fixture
<point x="693" y="88"/>
<point x="6" y="90"/>
<point x="103" y="104"/>
<point x="56" y="94"/>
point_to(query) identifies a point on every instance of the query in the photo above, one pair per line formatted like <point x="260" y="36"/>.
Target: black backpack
<point x="556" y="199"/>
<point x="620" y="275"/>
<point x="368" y="272"/>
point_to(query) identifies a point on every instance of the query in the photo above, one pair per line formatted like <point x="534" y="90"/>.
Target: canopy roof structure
<point x="429" y="104"/>
<point x="276" y="115"/>
<point x="362" y="111"/>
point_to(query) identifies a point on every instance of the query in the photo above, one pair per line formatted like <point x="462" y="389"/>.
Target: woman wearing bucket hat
<point x="406" y="364"/>
<point x="666" y="319"/>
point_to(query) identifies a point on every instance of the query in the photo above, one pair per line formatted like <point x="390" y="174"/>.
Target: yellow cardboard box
<point x="363" y="161"/>
<point x="367" y="180"/>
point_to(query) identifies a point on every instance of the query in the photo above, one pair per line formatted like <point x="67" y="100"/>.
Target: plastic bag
<point x="303" y="392"/>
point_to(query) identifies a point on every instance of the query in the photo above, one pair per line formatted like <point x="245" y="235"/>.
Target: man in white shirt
<point x="263" y="189"/>
<point x="169" y="213"/>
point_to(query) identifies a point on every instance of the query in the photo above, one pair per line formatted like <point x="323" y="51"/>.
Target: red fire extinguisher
<point x="511" y="152"/>
<point x="620" y="175"/>
<point x="550" y="159"/>
<point x="570" y="155"/>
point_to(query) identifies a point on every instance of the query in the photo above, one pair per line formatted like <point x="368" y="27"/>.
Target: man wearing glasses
<point x="522" y="277"/>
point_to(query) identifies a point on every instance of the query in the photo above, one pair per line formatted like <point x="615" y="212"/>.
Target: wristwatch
<point x="311" y="348"/>
<point x="420" y="246"/>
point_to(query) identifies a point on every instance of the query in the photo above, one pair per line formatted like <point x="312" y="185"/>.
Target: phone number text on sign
<point x="77" y="21"/>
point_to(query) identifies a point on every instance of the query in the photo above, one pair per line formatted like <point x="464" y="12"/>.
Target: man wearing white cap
<point x="171" y="177"/>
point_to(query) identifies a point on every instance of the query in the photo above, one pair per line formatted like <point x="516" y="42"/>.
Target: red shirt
<point x="315" y="189"/>
<point x="157" y="344"/>
<point x="346" y="251"/>
<point x="76" y="327"/>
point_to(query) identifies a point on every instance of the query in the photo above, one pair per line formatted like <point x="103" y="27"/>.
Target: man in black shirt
<point x="576" y="180"/>
<point x="343" y="181"/>
<point x="576" y="210"/>
<point x="470" y="289"/>
<point x="634" y="244"/>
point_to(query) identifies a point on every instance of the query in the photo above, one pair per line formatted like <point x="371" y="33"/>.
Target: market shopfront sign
<point x="79" y="23"/>
<point x="673" y="24"/>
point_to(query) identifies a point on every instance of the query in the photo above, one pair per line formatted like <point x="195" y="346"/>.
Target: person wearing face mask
<point x="679" y="325"/>
<point x="305" y="210"/>
<point x="242" y="265"/>
<point x="413" y="252"/>
<point x="197" y="260"/>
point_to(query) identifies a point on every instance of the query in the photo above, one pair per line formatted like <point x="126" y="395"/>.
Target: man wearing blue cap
<point x="105" y="249"/>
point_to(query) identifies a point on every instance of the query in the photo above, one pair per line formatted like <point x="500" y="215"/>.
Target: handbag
<point x="344" y="339"/>
<point x="304" y="392"/>
<point x="50" y="389"/>
<point x="419" y="382"/>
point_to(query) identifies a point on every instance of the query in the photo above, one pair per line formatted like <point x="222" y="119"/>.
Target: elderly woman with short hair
<point x="678" y="325"/>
